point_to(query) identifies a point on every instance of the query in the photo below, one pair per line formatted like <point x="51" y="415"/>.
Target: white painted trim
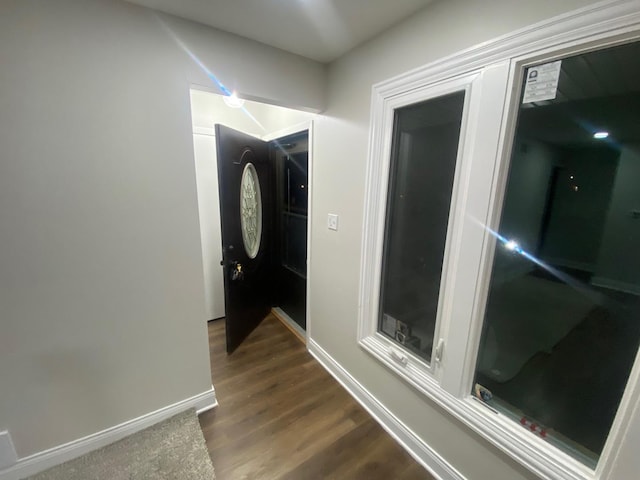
<point x="62" y="453"/>
<point x="412" y="443"/>
<point x="613" y="284"/>
<point x="284" y="316"/>
<point x="310" y="190"/>
<point x="594" y="22"/>
<point x="291" y="130"/>
<point x="209" y="131"/>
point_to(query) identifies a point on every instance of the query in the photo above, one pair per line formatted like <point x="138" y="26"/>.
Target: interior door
<point x="245" y="178"/>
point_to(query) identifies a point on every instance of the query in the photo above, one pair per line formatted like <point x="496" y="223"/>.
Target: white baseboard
<point x="62" y="453"/>
<point x="420" y="451"/>
<point x="290" y="323"/>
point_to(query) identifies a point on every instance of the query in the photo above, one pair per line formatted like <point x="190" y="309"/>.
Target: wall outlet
<point x="332" y="221"/>
<point x="8" y="454"/>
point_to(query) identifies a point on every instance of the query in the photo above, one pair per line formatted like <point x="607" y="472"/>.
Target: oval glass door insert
<point x="250" y="210"/>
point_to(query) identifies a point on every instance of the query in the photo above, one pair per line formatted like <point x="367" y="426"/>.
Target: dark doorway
<point x="291" y="160"/>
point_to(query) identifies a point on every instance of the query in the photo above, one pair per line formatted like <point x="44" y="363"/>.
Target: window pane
<point x="423" y="160"/>
<point x="561" y="327"/>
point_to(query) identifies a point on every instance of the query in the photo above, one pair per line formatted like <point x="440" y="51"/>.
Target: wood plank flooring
<point x="282" y="416"/>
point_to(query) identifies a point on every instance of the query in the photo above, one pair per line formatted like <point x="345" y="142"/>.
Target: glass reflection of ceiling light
<point x="233" y="101"/>
<point x="511" y="245"/>
<point x="600" y="135"/>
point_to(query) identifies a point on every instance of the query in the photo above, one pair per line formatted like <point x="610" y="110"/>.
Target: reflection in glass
<point x="294" y="255"/>
<point x="294" y="212"/>
<point x="561" y="328"/>
<point x="423" y="161"/>
<point x="295" y="191"/>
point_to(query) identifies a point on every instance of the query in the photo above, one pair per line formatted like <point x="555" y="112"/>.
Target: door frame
<point x="217" y="277"/>
<point x="298" y="128"/>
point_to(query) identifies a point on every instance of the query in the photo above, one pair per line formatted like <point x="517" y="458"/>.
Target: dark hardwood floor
<point x="282" y="416"/>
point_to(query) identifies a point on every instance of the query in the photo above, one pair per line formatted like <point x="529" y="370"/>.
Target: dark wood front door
<point x="246" y="212"/>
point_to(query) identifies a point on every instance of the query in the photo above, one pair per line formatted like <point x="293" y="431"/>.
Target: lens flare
<point x="583" y="288"/>
<point x="230" y="97"/>
<point x="233" y="100"/>
<point x="512" y="246"/>
<point x="228" y="94"/>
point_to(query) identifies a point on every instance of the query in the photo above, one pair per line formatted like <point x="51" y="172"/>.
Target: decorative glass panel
<point x="561" y="328"/>
<point x="250" y="210"/>
<point x="423" y="163"/>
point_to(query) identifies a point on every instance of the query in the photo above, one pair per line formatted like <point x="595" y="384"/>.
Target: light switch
<point x="332" y="221"/>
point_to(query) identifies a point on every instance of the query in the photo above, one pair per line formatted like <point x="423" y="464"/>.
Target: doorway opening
<point x="273" y="144"/>
<point x="290" y="156"/>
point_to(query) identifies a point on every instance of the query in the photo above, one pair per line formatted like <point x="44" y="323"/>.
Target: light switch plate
<point x="332" y="221"/>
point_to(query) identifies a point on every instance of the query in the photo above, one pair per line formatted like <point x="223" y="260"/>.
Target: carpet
<point x="172" y="449"/>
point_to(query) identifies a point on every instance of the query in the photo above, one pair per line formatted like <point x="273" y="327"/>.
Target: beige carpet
<point x="173" y="449"/>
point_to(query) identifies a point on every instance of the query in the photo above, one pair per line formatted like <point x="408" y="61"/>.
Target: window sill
<point x="531" y="451"/>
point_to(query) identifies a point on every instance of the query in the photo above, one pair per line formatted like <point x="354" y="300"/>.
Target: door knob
<point x="237" y="273"/>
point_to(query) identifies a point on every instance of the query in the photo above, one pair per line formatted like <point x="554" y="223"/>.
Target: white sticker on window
<point x="542" y="82"/>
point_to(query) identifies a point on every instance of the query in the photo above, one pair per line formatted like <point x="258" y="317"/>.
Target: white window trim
<point x="414" y="365"/>
<point x="496" y="67"/>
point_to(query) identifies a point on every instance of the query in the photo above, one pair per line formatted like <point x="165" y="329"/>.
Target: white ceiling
<point x="322" y="30"/>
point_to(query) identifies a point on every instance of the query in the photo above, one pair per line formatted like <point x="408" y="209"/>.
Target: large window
<point x="501" y="274"/>
<point x="562" y="322"/>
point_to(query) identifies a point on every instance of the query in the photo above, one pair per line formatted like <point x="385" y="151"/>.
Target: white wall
<point x="341" y="140"/>
<point x="101" y="297"/>
<point x="204" y="150"/>
<point x="256" y="119"/>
